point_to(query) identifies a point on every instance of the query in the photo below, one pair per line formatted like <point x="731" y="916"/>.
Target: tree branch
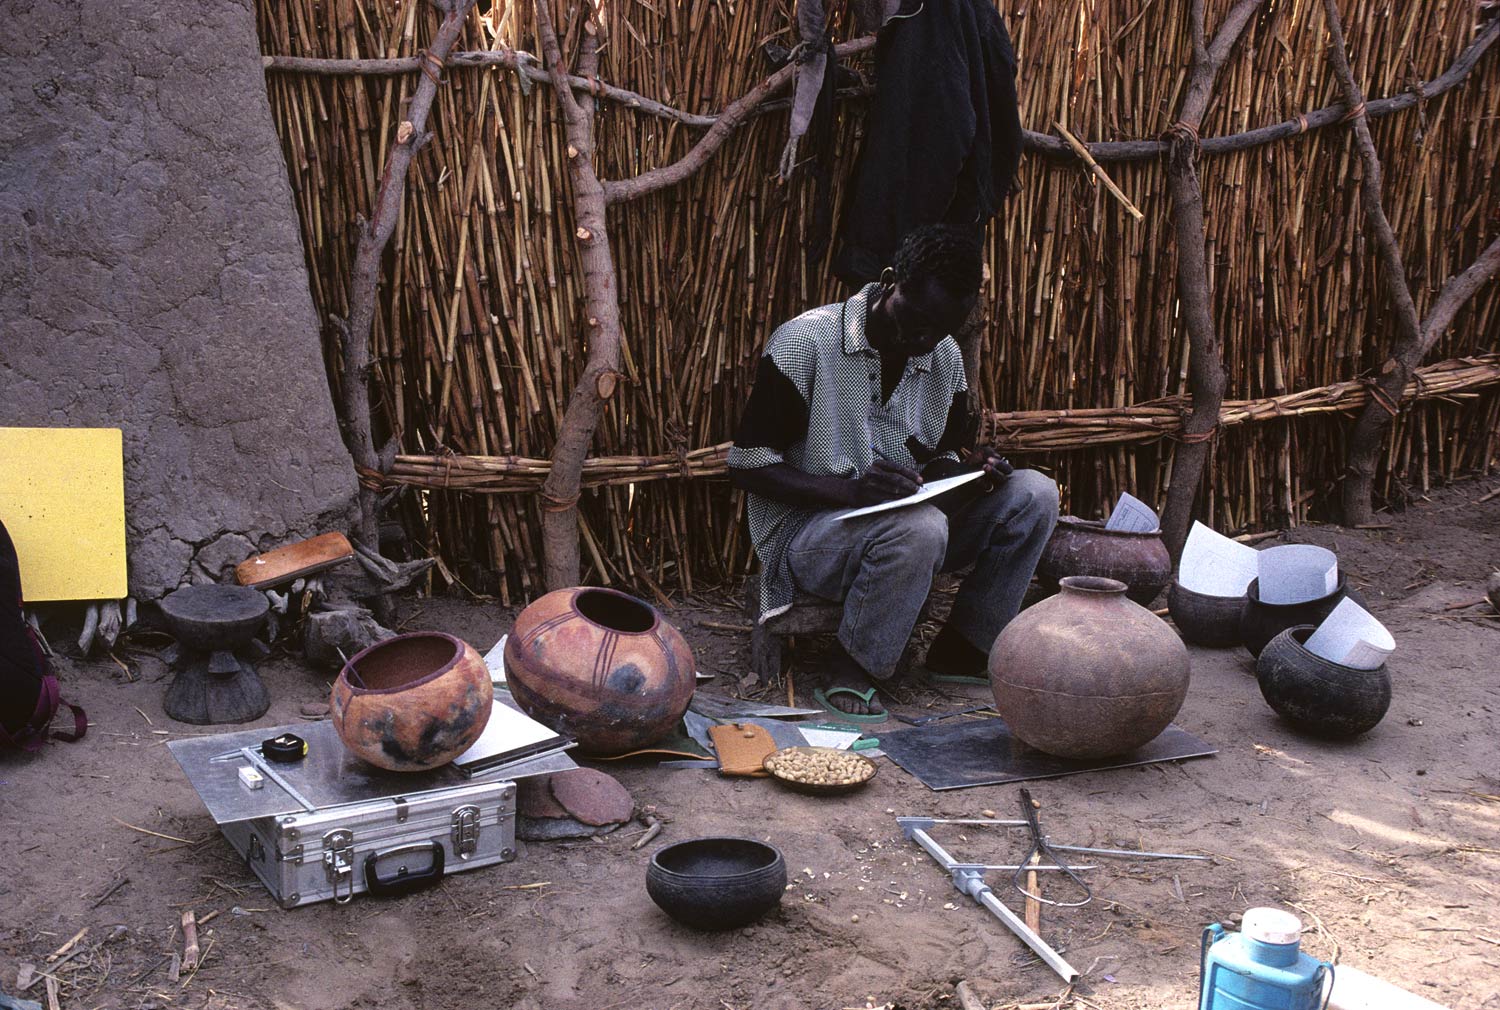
<point x="1456" y="292"/>
<point x="625" y="190"/>
<point x="365" y="277"/>
<point x="1369" y="429"/>
<point x="1104" y="151"/>
<point x="1206" y="359"/>
<point x="596" y="384"/>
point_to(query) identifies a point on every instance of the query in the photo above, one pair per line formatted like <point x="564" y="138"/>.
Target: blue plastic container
<point x="1261" y="967"/>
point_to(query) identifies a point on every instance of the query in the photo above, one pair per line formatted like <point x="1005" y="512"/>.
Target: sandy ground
<point x="1387" y="847"/>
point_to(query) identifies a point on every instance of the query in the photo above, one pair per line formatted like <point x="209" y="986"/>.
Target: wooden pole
<point x="1413" y="338"/>
<point x="1206" y="363"/>
<point x="411" y="136"/>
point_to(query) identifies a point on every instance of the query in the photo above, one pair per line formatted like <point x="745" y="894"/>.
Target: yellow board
<point x="62" y="497"/>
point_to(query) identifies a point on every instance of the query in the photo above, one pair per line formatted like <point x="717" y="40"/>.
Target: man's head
<point x="935" y="281"/>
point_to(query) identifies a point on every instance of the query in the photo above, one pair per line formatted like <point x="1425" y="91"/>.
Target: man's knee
<point x="920" y="531"/>
<point x="1034" y="495"/>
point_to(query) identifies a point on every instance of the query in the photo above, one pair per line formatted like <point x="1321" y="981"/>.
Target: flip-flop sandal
<point x="866" y="696"/>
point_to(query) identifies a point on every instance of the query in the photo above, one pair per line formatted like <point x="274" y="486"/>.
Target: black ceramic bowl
<point x="1260" y="622"/>
<point x="1316" y="695"/>
<point x="1213" y="621"/>
<point x="716" y="883"/>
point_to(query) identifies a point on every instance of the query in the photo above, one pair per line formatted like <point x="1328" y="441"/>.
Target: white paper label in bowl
<point x="1296" y="573"/>
<point x="1353" y="637"/>
<point x="1131" y="515"/>
<point x="1214" y="565"/>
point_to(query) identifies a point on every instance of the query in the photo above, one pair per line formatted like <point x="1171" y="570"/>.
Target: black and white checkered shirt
<point x="816" y="405"/>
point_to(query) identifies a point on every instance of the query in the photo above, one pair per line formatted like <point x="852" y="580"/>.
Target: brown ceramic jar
<point x="600" y="666"/>
<point x="1087" y="673"/>
<point x="412" y="702"/>
<point x="1085" y="547"/>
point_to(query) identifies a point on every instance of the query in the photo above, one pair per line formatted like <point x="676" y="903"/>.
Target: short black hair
<point x="948" y="254"/>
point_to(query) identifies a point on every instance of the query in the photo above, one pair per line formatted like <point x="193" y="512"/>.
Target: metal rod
<point x="971" y="882"/>
<point x="265" y="769"/>
<point x="1013" y="866"/>
<point x="926" y="822"/>
<point x="1128" y="852"/>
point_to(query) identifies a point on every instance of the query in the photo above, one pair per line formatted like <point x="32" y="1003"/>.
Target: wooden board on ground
<point x="62" y="497"/>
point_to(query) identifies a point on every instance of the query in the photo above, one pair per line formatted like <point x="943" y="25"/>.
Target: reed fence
<point x="477" y="340"/>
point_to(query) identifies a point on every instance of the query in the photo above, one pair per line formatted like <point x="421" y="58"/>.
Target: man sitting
<point x="858" y="403"/>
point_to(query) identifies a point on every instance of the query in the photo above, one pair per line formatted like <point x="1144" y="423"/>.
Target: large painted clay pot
<point x="412" y="702"/>
<point x="1087" y="673"/>
<point x="1316" y="695"/>
<point x="1085" y="547"/>
<point x="602" y="667"/>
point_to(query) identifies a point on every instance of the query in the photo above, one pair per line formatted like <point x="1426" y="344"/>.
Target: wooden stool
<point x="809" y="615"/>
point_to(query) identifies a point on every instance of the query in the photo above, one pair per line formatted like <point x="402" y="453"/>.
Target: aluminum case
<point x="388" y="845"/>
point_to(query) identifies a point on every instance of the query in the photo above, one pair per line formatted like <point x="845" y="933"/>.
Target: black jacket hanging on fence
<point x="943" y="137"/>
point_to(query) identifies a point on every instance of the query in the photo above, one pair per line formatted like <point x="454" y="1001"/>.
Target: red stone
<point x="592" y="797"/>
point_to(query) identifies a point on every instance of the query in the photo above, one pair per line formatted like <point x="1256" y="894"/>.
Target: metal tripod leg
<point x="971" y="882"/>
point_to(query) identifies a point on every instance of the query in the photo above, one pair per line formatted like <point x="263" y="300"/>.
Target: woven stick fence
<point x="477" y="338"/>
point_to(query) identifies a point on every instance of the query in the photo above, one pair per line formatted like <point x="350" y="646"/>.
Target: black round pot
<point x="1317" y="696"/>
<point x="716" y="883"/>
<point x="1213" y="621"/>
<point x="1261" y="622"/>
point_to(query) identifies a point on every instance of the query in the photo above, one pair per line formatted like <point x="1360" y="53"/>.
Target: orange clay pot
<point x="412" y="702"/>
<point x="602" y="667"/>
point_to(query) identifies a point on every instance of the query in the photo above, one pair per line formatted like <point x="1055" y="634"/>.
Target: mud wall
<point x="152" y="277"/>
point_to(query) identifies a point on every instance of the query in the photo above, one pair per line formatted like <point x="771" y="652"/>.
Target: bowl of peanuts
<point x="819" y="770"/>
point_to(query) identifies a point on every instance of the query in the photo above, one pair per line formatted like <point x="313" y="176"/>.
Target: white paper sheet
<point x="1296" y="573"/>
<point x="1214" y="565"/>
<point x="1131" y="515"/>
<point x="1351" y="635"/>
<point x="929" y="491"/>
<point x="508" y="730"/>
<point x="838" y="739"/>
<point x="495" y="660"/>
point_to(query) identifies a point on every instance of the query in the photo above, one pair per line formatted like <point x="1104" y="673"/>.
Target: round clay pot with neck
<point x="600" y="666"/>
<point x="1087" y="673"/>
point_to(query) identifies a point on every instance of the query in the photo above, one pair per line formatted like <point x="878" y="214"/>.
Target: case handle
<point x="403" y="881"/>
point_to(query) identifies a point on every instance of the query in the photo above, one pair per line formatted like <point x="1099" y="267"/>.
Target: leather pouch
<point x="742" y="748"/>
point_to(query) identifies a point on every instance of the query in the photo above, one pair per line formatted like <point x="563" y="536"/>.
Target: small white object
<point x="1131" y="515"/>
<point x="250" y="778"/>
<point x="1214" y="565"/>
<point x="1351" y="636"/>
<point x="1354" y="990"/>
<point x="1296" y="573"/>
<point x="1271" y="925"/>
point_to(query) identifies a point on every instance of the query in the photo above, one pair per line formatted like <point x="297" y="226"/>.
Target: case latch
<point x="465" y="831"/>
<point x="338" y="863"/>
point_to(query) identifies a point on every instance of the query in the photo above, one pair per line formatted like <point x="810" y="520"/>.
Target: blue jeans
<point x="882" y="565"/>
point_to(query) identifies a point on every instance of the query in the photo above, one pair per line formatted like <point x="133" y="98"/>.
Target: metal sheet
<point x="328" y="776"/>
<point x="981" y="752"/>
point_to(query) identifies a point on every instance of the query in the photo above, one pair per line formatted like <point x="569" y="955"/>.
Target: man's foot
<point x="951" y="655"/>
<point x="849" y="689"/>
